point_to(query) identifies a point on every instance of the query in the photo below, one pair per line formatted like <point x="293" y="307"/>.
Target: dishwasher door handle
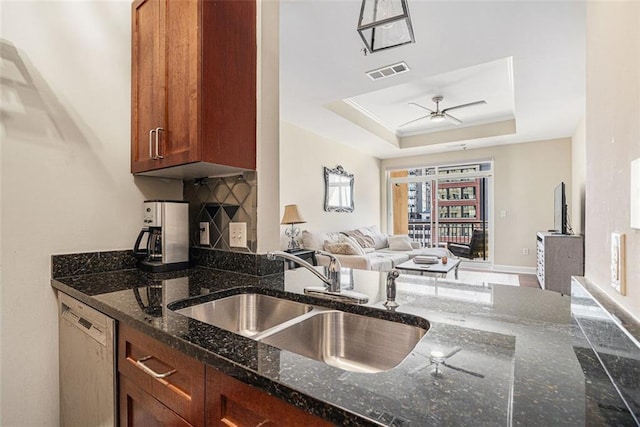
<point x="140" y="364"/>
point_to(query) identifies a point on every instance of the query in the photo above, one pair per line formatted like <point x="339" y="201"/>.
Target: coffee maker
<point x="166" y="224"/>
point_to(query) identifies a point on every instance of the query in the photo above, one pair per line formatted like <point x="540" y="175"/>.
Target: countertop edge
<point x="291" y="396"/>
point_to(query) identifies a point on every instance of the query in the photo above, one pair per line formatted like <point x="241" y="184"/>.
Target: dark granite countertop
<point x="519" y="356"/>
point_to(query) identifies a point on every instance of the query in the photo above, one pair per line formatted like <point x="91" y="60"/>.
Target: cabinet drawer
<point x="234" y="403"/>
<point x="174" y="379"/>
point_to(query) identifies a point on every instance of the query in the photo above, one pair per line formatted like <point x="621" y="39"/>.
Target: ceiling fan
<point x="440" y="115"/>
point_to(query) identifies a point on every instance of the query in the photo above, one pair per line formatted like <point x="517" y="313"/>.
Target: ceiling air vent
<point x="388" y="70"/>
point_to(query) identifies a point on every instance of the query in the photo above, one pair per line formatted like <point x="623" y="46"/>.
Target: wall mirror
<point x="338" y="190"/>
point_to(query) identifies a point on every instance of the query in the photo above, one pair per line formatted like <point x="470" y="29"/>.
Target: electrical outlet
<point x="238" y="234"/>
<point x="525" y="251"/>
<point x="204" y="234"/>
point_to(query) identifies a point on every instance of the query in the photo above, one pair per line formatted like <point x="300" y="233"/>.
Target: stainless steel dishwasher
<point x="87" y="368"/>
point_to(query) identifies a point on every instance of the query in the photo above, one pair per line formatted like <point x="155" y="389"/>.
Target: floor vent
<point x="388" y="71"/>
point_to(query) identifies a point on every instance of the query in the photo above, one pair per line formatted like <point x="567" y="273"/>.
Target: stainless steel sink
<point x="246" y="314"/>
<point x="349" y="341"/>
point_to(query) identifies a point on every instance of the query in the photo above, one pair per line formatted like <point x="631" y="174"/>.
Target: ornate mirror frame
<point x="338" y="190"/>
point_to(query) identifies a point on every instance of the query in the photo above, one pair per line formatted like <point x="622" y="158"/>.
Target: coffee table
<point x="436" y="269"/>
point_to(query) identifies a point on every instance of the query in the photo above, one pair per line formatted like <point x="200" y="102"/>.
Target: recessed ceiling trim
<point x="388" y="71"/>
<point x="469" y="133"/>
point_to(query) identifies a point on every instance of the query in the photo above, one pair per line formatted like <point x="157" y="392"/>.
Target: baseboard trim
<point x="514" y="269"/>
<point x="487" y="266"/>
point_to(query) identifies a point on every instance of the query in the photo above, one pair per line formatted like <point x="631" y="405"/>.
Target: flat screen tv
<point x="560" y="209"/>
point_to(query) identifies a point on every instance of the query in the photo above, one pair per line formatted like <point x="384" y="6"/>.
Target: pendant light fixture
<point x="384" y="24"/>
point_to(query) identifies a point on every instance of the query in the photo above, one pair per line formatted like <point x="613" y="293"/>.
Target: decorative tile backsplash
<point x="220" y="201"/>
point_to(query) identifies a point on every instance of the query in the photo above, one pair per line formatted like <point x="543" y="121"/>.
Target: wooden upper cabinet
<point x="193" y="84"/>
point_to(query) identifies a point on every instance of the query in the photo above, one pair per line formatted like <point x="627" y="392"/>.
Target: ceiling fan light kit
<point x="438" y="115"/>
<point x="384" y="24"/>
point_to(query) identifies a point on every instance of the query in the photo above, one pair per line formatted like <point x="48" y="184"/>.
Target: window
<point x="445" y="203"/>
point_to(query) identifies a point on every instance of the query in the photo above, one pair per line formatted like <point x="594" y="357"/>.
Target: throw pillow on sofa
<point x="314" y="240"/>
<point x="342" y="248"/>
<point x="400" y="243"/>
<point x="365" y="242"/>
<point x="379" y="240"/>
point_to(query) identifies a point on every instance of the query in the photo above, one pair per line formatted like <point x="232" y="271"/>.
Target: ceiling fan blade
<point x="464" y="105"/>
<point x="466" y="371"/>
<point x="452" y="119"/>
<point x="452" y="352"/>
<point x="421" y="106"/>
<point x="412" y="121"/>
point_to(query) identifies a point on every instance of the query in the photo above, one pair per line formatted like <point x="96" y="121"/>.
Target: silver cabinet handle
<point x="148" y="370"/>
<point x="151" y="144"/>
<point x="158" y="156"/>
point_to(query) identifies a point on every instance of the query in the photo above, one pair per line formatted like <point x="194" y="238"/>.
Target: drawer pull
<point x="148" y="370"/>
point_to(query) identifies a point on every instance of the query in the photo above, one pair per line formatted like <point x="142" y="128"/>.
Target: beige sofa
<point x="366" y="248"/>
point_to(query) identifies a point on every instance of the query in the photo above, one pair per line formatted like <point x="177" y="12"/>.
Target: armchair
<point x="475" y="249"/>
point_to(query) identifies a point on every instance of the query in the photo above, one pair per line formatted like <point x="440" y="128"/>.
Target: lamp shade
<point x="291" y="215"/>
<point x="384" y="24"/>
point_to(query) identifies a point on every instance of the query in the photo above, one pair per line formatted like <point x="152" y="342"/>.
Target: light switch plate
<point x="238" y="234"/>
<point x="618" y="272"/>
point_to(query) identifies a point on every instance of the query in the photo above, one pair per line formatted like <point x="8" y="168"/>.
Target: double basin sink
<point x="348" y="341"/>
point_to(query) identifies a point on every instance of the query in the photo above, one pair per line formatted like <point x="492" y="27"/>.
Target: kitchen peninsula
<point x="493" y="354"/>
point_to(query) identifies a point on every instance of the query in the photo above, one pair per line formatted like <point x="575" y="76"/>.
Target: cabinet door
<point x="231" y="402"/>
<point x="178" y="142"/>
<point x="138" y="408"/>
<point x="147" y="81"/>
<point x="165" y="84"/>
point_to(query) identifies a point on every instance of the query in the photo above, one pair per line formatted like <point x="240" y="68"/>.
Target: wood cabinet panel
<point x="193" y="83"/>
<point x="233" y="403"/>
<point x="138" y="408"/>
<point x="147" y="96"/>
<point x="229" y="87"/>
<point x="192" y="394"/>
<point x="179" y="142"/>
<point x="181" y="391"/>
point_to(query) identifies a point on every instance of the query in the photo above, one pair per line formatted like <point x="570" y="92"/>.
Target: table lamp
<point x="292" y="217"/>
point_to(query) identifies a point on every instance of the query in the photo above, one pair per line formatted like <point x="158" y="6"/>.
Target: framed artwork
<point x="338" y="190"/>
<point x="617" y="263"/>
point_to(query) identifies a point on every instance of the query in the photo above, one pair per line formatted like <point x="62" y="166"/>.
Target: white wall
<point x="613" y="141"/>
<point x="66" y="185"/>
<point x="302" y="157"/>
<point x="268" y="209"/>
<point x="578" y="176"/>
<point x="525" y="176"/>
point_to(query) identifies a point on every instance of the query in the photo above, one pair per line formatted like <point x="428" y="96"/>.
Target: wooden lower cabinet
<point x="161" y="386"/>
<point x="139" y="409"/>
<point x="234" y="403"/>
<point x="165" y="374"/>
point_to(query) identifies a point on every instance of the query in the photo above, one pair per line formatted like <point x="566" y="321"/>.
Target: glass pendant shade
<point x="385" y="24"/>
